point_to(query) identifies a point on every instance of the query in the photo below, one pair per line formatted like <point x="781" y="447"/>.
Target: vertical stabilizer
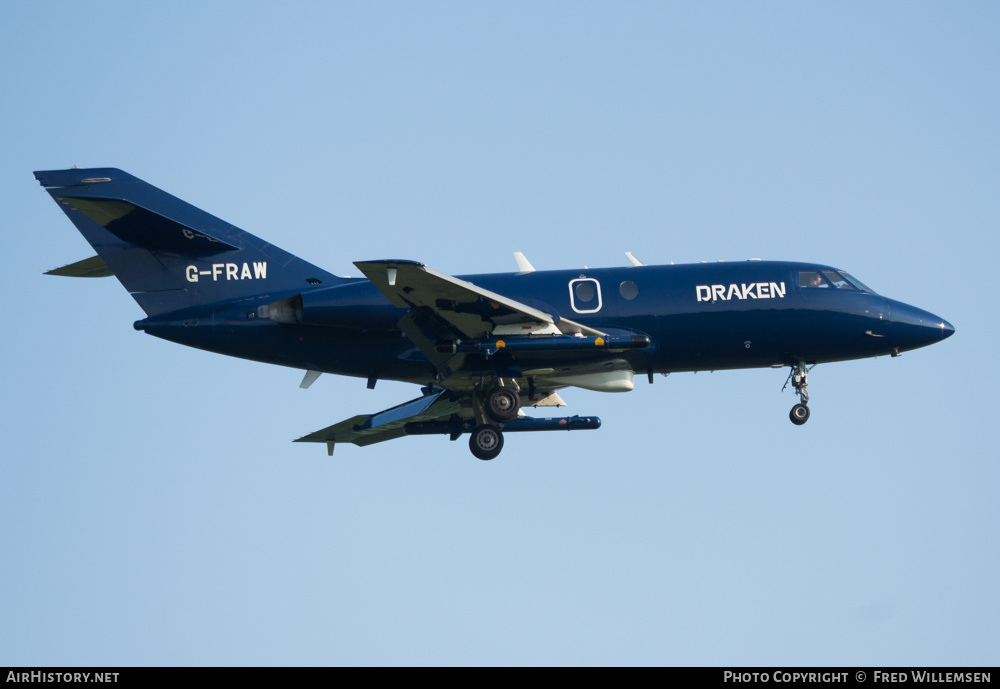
<point x="168" y="254"/>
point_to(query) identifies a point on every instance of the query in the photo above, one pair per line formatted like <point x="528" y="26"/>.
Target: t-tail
<point x="168" y="254"/>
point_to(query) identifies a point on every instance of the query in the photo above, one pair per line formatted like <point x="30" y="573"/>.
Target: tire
<point x="486" y="442"/>
<point x="799" y="414"/>
<point x="502" y="404"/>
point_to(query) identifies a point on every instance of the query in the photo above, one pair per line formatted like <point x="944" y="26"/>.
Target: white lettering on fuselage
<point x="229" y="271"/>
<point x="744" y="290"/>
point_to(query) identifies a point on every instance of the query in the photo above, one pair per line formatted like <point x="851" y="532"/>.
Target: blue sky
<point x="154" y="510"/>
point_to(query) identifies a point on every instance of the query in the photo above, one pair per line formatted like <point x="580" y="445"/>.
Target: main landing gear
<point x="496" y="413"/>
<point x="502" y="404"/>
<point x="486" y="442"/>
<point x="799" y="379"/>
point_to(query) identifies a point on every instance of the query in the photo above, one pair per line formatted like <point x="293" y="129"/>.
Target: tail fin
<point x="168" y="254"/>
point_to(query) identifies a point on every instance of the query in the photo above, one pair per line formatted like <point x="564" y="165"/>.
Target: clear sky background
<point x="153" y="509"/>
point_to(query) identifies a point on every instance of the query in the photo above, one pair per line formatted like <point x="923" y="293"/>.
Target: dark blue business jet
<point x="482" y="347"/>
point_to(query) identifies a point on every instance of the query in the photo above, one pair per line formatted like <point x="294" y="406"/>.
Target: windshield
<point x="831" y="279"/>
<point x="857" y="283"/>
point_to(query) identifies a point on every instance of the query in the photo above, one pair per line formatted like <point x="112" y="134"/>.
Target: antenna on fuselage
<point x="523" y="264"/>
<point x="309" y="378"/>
<point x="631" y="257"/>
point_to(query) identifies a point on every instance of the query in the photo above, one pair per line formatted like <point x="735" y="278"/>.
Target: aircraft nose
<point x="913" y="327"/>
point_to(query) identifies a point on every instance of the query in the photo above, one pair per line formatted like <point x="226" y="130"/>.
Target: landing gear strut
<point x="800" y="412"/>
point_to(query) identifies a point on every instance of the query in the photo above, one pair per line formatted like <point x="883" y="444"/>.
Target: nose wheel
<point x="799" y="380"/>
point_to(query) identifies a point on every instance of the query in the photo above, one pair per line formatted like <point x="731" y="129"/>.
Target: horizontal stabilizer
<point x="142" y="227"/>
<point x="93" y="267"/>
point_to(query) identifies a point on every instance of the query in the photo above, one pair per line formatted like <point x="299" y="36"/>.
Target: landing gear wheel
<point x="486" y="442"/>
<point x="799" y="377"/>
<point x="502" y="404"/>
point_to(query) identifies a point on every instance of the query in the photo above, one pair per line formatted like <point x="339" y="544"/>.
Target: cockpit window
<point x="831" y="279"/>
<point x="837" y="279"/>
<point x="857" y="283"/>
<point x="812" y="278"/>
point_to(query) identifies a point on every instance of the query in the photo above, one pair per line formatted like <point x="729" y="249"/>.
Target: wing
<point x="444" y="308"/>
<point x="367" y="429"/>
<point x="470" y="310"/>
<point x="452" y="320"/>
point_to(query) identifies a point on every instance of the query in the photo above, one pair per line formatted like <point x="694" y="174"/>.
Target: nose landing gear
<point x="799" y="379"/>
<point x="799" y="414"/>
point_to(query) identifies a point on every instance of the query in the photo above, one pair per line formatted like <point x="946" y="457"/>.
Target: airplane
<point x="482" y="347"/>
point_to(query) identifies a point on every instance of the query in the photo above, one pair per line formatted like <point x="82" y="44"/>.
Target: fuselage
<point x="481" y="346"/>
<point x="704" y="316"/>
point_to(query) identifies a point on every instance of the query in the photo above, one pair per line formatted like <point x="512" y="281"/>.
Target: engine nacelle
<point x="338" y="306"/>
<point x="604" y="381"/>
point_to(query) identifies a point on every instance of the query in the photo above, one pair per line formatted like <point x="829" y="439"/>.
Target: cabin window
<point x="585" y="295"/>
<point x="585" y="292"/>
<point x="629" y="290"/>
